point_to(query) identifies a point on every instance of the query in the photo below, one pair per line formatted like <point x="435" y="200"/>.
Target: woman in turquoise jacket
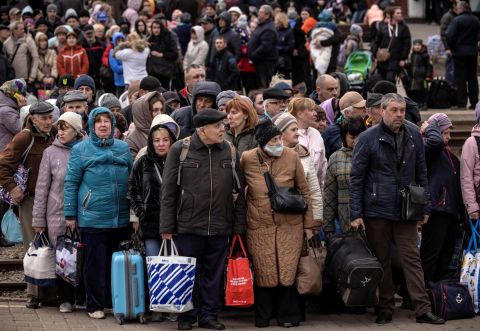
<point x="96" y="201"/>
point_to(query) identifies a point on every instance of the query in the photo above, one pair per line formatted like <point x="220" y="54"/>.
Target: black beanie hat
<point x="384" y="87"/>
<point x="150" y="83"/>
<point x="265" y="130"/>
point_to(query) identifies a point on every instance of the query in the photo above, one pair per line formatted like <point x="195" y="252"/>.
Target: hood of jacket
<point x="207" y="88"/>
<point x="142" y="116"/>
<point x="200" y="34"/>
<point x="134" y="4"/>
<point x="227" y="17"/>
<point x="117" y="35"/>
<point x="91" y="127"/>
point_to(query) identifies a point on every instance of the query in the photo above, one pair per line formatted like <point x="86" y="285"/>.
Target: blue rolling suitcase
<point x="128" y="286"/>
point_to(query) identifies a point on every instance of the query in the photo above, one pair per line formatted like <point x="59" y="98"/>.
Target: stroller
<point x="357" y="68"/>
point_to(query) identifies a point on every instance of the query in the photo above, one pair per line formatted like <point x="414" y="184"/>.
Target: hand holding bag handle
<point x="164" y="251"/>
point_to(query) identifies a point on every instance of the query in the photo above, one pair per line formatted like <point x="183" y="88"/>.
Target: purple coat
<point x="9" y="120"/>
<point x="48" y="205"/>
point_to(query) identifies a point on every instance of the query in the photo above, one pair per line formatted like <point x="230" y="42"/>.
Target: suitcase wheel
<point x="142" y="319"/>
<point x="119" y="318"/>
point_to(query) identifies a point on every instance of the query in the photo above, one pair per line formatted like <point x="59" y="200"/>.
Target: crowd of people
<point x="162" y="119"/>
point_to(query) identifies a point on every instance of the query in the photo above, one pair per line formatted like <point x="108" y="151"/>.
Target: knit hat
<point x="60" y="29"/>
<point x="83" y="13"/>
<point x="27" y="11"/>
<point x="442" y="121"/>
<point x="265" y="130"/>
<point x="72" y="119"/>
<point x="109" y="100"/>
<point x="52" y="7"/>
<point x="150" y="84"/>
<point x="356" y="29"/>
<point x="70" y="13"/>
<point x="418" y="41"/>
<point x="384" y="87"/>
<point x="41" y="21"/>
<point x="85" y="80"/>
<point x="283" y="120"/>
<point x="477" y="112"/>
<point x="224" y="97"/>
<point x="28" y="21"/>
<point x="235" y="9"/>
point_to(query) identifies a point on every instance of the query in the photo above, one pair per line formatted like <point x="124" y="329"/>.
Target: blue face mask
<point x="274" y="151"/>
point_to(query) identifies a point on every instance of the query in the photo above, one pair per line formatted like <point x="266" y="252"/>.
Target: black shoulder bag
<point x="413" y="196"/>
<point x="285" y="200"/>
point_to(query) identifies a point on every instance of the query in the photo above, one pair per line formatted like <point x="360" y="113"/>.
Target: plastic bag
<point x="11" y="228"/>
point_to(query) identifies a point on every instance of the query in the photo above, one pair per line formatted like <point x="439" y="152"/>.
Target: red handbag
<point x="239" y="284"/>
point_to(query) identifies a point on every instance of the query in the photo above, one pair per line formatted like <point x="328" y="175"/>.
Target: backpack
<point x="183" y="156"/>
<point x="441" y="94"/>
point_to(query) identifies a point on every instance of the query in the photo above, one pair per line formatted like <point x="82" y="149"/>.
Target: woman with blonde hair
<point x="134" y="54"/>
<point x="242" y="118"/>
<point x="303" y="109"/>
<point x="285" y="45"/>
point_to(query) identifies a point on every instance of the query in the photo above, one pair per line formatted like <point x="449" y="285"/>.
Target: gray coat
<point x="9" y="120"/>
<point x="48" y="205"/>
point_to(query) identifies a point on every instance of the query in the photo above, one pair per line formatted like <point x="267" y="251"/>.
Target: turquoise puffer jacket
<point x="96" y="183"/>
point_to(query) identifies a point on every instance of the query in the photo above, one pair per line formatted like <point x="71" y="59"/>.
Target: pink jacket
<point x="312" y="139"/>
<point x="470" y="171"/>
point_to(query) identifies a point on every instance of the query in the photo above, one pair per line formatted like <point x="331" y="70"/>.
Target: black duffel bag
<point x="451" y="300"/>
<point x="356" y="271"/>
<point x="441" y="94"/>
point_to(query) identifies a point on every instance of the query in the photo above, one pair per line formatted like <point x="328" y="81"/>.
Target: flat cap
<point x="275" y="93"/>
<point x="74" y="95"/>
<point x="208" y="116"/>
<point x="171" y="96"/>
<point x="374" y="99"/>
<point x="41" y="107"/>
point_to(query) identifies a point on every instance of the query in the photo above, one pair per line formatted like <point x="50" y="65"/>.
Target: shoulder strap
<point x="158" y="173"/>
<point x="183" y="156"/>
<point x="236" y="181"/>
<point x="14" y="53"/>
<point x="25" y="154"/>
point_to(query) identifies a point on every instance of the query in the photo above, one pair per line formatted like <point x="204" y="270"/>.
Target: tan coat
<point x="26" y="60"/>
<point x="274" y="239"/>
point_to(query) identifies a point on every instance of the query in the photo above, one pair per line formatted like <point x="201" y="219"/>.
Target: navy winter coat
<point x="462" y="35"/>
<point x="443" y="169"/>
<point x="374" y="192"/>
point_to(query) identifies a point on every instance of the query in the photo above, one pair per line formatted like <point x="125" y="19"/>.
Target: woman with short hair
<point x="242" y="118"/>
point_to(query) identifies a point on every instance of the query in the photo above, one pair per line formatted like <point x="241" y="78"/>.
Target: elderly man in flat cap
<point x="202" y="214"/>
<point x="27" y="148"/>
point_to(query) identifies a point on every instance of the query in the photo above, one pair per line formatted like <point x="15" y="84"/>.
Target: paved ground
<point x="14" y="316"/>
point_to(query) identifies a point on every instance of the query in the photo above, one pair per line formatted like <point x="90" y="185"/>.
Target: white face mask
<point x="274" y="151"/>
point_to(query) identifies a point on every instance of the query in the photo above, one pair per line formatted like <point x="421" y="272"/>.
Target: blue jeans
<point x="152" y="246"/>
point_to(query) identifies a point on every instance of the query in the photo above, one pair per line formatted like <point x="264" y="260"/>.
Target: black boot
<point x="5" y="243"/>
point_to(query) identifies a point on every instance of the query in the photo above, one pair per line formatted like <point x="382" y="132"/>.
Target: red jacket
<point x="72" y="60"/>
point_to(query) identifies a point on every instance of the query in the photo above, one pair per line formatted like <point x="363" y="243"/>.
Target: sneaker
<point x="65" y="307"/>
<point x="99" y="314"/>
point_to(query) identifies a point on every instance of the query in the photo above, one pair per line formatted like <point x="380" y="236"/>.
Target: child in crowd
<point x="419" y="72"/>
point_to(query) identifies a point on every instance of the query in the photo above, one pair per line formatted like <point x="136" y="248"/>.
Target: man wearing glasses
<point x="275" y="101"/>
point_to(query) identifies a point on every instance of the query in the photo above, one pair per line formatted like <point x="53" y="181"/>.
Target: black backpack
<point x="441" y="94"/>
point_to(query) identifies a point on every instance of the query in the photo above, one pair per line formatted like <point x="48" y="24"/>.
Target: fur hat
<point x="265" y="130"/>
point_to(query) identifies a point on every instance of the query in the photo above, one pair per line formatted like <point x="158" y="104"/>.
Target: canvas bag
<point x="11" y="228"/>
<point x="470" y="272"/>
<point x="310" y="268"/>
<point x="170" y="280"/>
<point x="66" y="256"/>
<point x="39" y="262"/>
<point x="239" y="283"/>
